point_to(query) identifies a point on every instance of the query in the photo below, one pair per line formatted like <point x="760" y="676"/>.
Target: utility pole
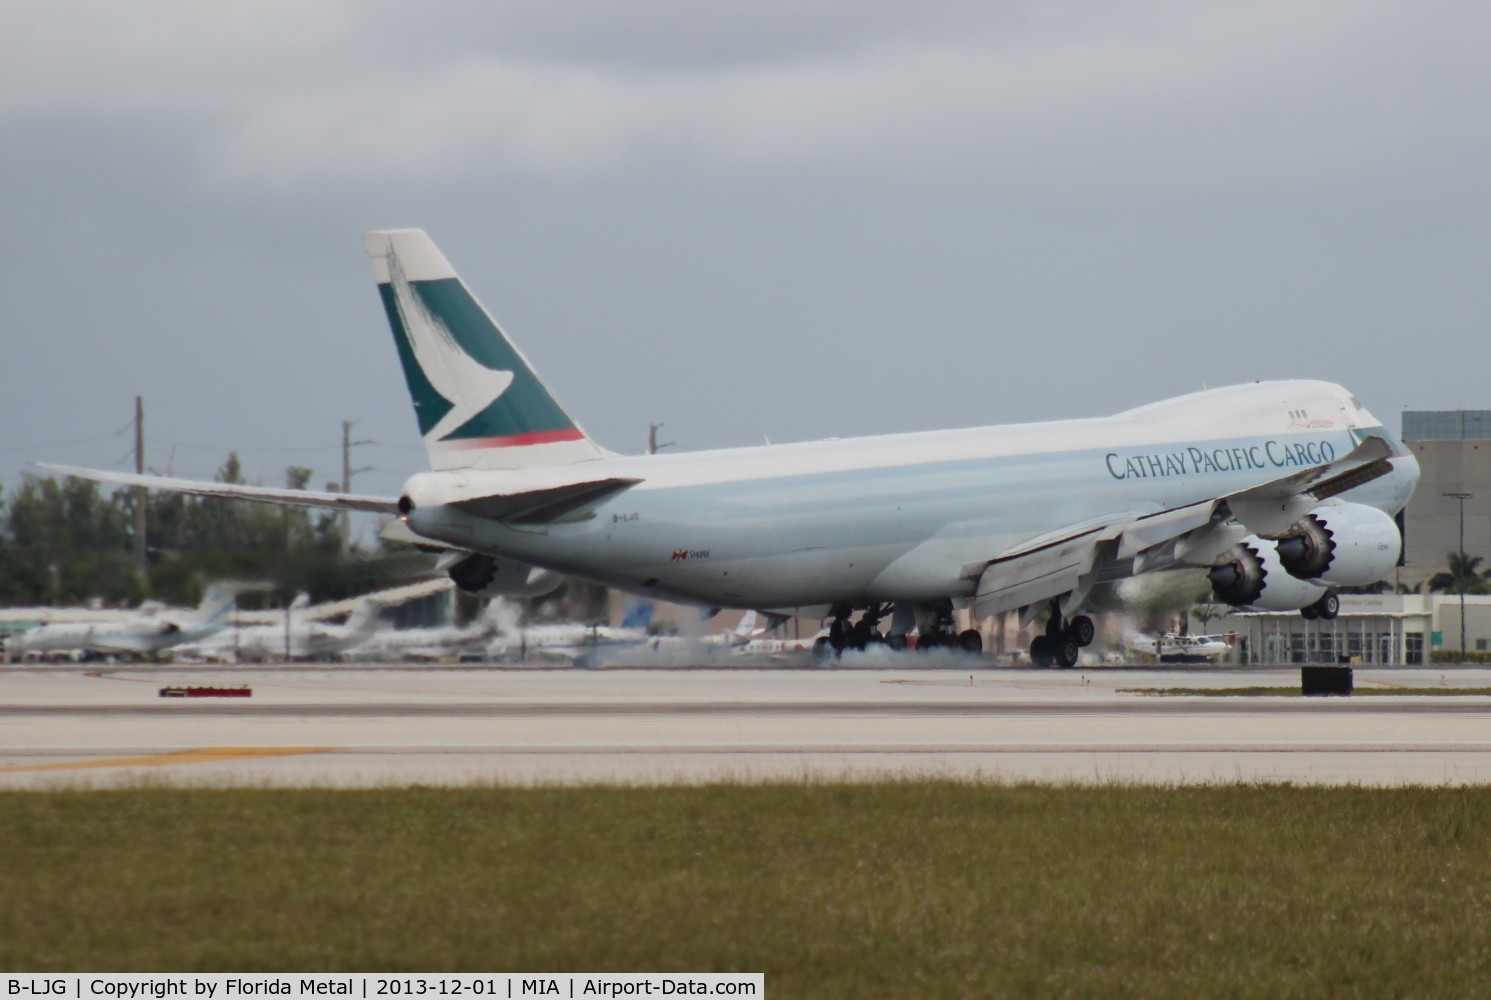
<point x="652" y="446"/>
<point x="1462" y="497"/>
<point x="141" y="555"/>
<point x="348" y="472"/>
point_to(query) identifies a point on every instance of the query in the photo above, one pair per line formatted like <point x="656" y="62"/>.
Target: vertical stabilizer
<point x="219" y="599"/>
<point x="213" y="614"/>
<point x="478" y="401"/>
<point x="363" y="621"/>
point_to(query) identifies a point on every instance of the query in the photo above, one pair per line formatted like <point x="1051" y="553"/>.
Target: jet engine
<point x="1346" y="545"/>
<point x="482" y="576"/>
<point x="1253" y="577"/>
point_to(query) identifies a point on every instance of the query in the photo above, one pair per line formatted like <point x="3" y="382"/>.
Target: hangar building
<point x="1453" y="448"/>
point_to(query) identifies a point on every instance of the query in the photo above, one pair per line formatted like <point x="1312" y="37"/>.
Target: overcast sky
<point x="746" y="219"/>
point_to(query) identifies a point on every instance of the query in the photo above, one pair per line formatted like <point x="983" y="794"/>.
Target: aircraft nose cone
<point x="1407" y="467"/>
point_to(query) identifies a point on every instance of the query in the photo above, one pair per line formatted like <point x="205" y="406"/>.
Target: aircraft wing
<point x="1270" y="509"/>
<point x="1067" y="563"/>
<point x="570" y="500"/>
<point x="235" y="491"/>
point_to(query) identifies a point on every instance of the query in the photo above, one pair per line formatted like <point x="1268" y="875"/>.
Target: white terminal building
<point x="1386" y="629"/>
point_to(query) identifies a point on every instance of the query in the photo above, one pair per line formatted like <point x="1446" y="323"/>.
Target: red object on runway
<point x="206" y="692"/>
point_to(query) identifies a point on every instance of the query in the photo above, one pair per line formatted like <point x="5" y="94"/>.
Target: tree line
<point x="64" y="541"/>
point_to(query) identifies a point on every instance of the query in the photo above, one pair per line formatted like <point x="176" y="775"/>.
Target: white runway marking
<point x="363" y="727"/>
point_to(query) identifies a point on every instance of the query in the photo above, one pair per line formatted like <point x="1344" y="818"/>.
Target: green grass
<point x="1294" y="692"/>
<point x="891" y="889"/>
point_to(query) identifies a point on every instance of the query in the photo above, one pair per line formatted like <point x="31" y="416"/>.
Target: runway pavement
<point x="365" y="726"/>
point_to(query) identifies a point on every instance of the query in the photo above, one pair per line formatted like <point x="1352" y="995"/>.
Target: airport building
<point x="1453" y="448"/>
<point x="1380" y="629"/>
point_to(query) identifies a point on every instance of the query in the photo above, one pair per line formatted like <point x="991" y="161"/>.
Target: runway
<point x="357" y="727"/>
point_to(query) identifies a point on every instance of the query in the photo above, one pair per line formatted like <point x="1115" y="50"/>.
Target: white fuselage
<point x="901" y="517"/>
<point x="147" y="635"/>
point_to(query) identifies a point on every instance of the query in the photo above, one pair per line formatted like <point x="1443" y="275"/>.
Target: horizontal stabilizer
<point x="235" y="491"/>
<point x="572" y="502"/>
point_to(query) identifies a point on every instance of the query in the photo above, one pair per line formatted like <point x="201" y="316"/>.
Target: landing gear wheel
<point x="1082" y="629"/>
<point x="1067" y="651"/>
<point x="1328" y="606"/>
<point x="837" y="634"/>
<point x="896" y="643"/>
<point x="1310" y="614"/>
<point x="970" y="641"/>
<point x="1042" y="651"/>
<point x="823" y="650"/>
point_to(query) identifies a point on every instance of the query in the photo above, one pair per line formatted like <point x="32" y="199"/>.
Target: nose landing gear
<point x="1324" y="609"/>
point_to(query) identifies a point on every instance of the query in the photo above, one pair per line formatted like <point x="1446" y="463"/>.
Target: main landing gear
<point x="937" y="633"/>
<point x="1063" y="641"/>
<point x="942" y="636"/>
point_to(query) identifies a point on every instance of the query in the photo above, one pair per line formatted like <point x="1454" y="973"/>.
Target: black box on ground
<point x="1325" y="680"/>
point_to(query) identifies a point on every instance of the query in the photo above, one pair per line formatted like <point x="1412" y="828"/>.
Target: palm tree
<point x="1463" y="572"/>
<point x="1205" y="609"/>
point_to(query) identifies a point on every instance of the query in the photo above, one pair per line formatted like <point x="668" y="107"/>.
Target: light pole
<point x="1462" y="497"/>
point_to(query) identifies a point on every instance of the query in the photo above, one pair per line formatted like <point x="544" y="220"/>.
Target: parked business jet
<point x="148" y="634"/>
<point x="575" y="642"/>
<point x="1282" y="490"/>
<point x="438" y="642"/>
<point x="302" y="635"/>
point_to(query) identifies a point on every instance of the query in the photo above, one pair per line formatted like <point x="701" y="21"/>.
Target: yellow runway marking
<point x="197" y="756"/>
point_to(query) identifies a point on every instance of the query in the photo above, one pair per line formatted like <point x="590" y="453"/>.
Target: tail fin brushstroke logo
<point x="465" y="383"/>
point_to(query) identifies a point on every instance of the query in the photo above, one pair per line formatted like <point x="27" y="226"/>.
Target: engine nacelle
<point x="482" y="576"/>
<point x="1344" y="544"/>
<point x="1254" y="578"/>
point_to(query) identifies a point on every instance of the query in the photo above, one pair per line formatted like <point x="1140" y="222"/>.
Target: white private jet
<point x="1282" y="490"/>
<point x="574" y="642"/>
<point x="150" y="633"/>
<point x="437" y="642"/>
<point x="301" y="635"/>
<point x="630" y="642"/>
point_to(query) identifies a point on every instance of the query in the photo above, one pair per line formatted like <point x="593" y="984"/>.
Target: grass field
<point x="892" y="889"/>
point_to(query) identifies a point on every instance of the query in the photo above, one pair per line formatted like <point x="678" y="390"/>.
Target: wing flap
<point x="1156" y="529"/>
<point x="1035" y="575"/>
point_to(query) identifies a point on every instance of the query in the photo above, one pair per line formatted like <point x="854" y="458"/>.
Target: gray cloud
<point x="744" y="219"/>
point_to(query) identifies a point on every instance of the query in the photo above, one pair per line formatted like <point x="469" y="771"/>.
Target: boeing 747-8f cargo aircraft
<point x="1282" y="489"/>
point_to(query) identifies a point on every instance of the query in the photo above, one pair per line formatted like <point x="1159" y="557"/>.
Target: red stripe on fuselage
<point x="517" y="440"/>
